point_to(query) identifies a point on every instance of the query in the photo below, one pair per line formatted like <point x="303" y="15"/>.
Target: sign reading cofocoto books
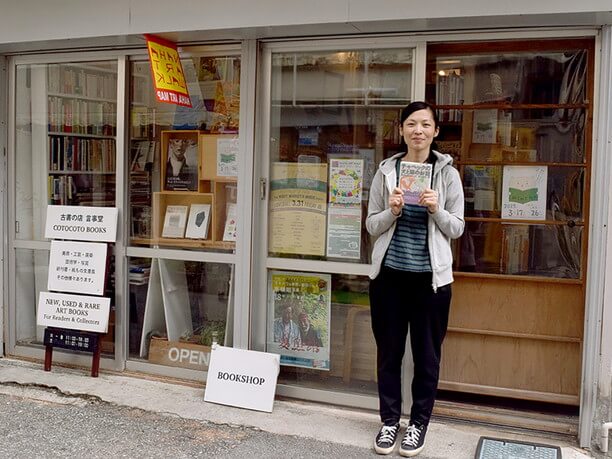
<point x="242" y="378"/>
<point x="82" y="223"/>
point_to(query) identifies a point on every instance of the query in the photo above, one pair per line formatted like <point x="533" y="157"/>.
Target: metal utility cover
<point x="499" y="448"/>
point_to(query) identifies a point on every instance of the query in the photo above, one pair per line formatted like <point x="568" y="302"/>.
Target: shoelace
<point x="413" y="433"/>
<point x="387" y="434"/>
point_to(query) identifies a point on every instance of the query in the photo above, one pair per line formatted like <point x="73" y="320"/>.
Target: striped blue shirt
<point x="408" y="250"/>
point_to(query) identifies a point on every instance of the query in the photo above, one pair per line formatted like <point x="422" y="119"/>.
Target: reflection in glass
<point x="334" y="117"/>
<point x="352" y="346"/>
<point x="185" y="157"/>
<point x="181" y="305"/>
<point x="535" y="250"/>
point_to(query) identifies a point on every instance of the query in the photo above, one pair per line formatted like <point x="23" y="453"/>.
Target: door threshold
<point x="561" y="423"/>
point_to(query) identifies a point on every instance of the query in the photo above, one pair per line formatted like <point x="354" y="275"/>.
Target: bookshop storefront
<point x="242" y="218"/>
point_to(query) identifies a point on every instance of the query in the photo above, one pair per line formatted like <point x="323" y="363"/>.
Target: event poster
<point x="524" y="192"/>
<point x="298" y="208"/>
<point x="345" y="181"/>
<point x="299" y="306"/>
<point x="344" y="232"/>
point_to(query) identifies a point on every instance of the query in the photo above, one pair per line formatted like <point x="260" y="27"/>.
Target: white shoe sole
<point x="410" y="453"/>
<point x="384" y="451"/>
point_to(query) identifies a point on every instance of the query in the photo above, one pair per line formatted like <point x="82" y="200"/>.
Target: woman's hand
<point x="396" y="201"/>
<point x="429" y="199"/>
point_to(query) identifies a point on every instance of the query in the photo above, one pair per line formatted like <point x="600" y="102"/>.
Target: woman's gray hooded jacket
<point x="446" y="224"/>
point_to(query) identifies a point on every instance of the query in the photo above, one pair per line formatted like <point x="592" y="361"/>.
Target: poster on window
<point x="298" y="208"/>
<point x="524" y="192"/>
<point x="299" y="306"/>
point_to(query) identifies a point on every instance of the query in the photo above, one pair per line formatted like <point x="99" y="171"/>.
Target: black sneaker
<point x="413" y="441"/>
<point x="386" y="438"/>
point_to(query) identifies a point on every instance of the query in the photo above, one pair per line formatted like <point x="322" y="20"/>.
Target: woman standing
<point x="411" y="276"/>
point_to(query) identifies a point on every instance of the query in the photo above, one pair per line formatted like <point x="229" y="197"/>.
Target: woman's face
<point x="419" y="130"/>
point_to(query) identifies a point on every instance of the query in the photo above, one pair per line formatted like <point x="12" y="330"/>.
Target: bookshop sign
<point x="82" y="223"/>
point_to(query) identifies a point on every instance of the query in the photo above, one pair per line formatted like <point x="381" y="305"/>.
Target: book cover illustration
<point x="229" y="233"/>
<point x="174" y="221"/>
<point x="198" y="222"/>
<point x="182" y="165"/>
<point x="414" y="179"/>
<point x="345" y="181"/>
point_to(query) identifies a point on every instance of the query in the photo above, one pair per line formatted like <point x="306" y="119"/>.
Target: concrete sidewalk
<point x="303" y="419"/>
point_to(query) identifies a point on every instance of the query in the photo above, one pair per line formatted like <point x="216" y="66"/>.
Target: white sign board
<point x="81" y="223"/>
<point x="77" y="267"/>
<point x="76" y="312"/>
<point x="242" y="378"/>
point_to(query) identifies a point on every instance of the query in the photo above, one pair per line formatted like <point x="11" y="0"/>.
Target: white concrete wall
<point x="41" y="20"/>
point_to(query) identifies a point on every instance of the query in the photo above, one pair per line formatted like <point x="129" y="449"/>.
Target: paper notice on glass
<point x="298" y="208"/>
<point x="299" y="306"/>
<point x="414" y="179"/>
<point x="227" y="154"/>
<point x="484" y="129"/>
<point x="345" y="181"/>
<point x="524" y="192"/>
<point x="344" y="231"/>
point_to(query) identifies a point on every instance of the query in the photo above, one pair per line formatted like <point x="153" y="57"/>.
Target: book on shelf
<point x="414" y="179"/>
<point x="198" y="222"/>
<point x="181" y="165"/>
<point x="229" y="232"/>
<point x="174" y="221"/>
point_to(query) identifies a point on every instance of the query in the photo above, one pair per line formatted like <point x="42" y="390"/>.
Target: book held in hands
<point x="414" y="179"/>
<point x="198" y="222"/>
<point x="174" y="221"/>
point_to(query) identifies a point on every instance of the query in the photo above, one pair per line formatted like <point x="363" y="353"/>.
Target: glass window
<point x="65" y="139"/>
<point x="334" y="117"/>
<point x="516" y="123"/>
<point x="177" y="309"/>
<point x="183" y="163"/>
<point x="65" y="154"/>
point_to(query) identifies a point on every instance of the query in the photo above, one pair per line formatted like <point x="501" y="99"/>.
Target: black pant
<point x="397" y="299"/>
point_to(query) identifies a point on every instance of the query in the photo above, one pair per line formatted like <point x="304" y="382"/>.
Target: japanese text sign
<point x="78" y="267"/>
<point x="168" y="76"/>
<point x="81" y="223"/>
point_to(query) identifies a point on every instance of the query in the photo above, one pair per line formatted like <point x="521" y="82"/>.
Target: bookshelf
<point x="518" y="298"/>
<point x="81" y="128"/>
<point x="208" y="176"/>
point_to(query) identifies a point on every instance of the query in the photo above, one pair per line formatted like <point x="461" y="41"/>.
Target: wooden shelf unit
<point x="517" y="336"/>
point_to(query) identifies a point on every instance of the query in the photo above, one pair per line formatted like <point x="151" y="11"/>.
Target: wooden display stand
<point x="211" y="189"/>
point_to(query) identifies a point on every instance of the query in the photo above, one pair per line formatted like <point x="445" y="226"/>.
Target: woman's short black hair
<point x="415" y="107"/>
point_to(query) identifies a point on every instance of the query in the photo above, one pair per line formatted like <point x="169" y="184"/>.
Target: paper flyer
<point x="524" y="192"/>
<point x="345" y="181"/>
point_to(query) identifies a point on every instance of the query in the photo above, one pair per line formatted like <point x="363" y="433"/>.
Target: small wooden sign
<point x="73" y="340"/>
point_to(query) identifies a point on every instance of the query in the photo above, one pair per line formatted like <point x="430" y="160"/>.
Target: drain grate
<point x="498" y="448"/>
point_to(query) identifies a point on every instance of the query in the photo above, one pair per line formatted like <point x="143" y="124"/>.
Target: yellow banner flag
<point x="168" y="76"/>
